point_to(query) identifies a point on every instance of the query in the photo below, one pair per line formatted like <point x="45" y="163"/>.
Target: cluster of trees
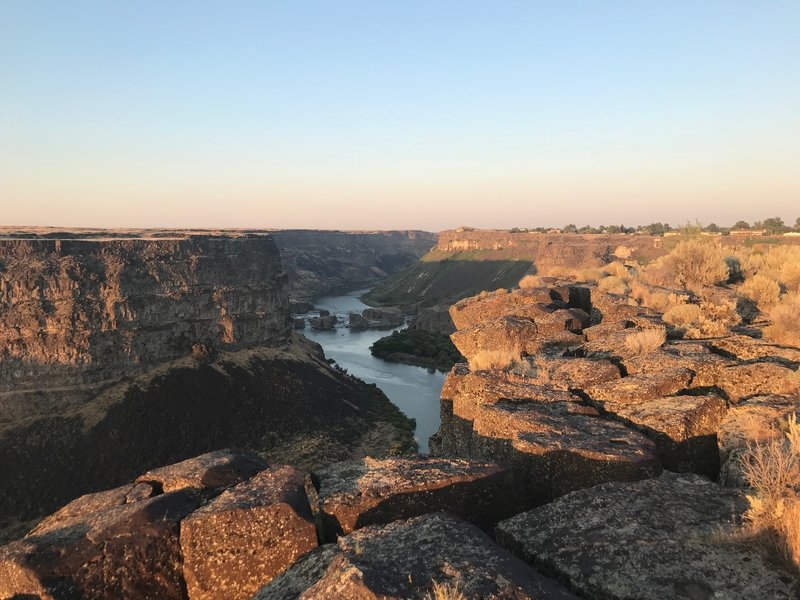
<point x="418" y="347"/>
<point x="772" y="225"/>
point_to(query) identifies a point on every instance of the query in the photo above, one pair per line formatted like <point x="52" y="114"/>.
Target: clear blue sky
<point x="398" y="114"/>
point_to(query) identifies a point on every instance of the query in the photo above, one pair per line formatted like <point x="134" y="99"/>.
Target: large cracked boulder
<point x="125" y="550"/>
<point x="246" y="536"/>
<point x="707" y="369"/>
<point x="355" y="494"/>
<point x="405" y="559"/>
<point x="500" y="333"/>
<point x="636" y="388"/>
<point x="740" y="382"/>
<point x="220" y="468"/>
<point x="476" y="310"/>
<point x="684" y="428"/>
<point x="648" y="540"/>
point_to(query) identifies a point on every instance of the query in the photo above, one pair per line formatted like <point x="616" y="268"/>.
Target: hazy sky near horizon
<point x="398" y="114"/>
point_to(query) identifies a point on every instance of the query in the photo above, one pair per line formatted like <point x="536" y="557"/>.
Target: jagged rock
<point x="503" y="332"/>
<point x="355" y="494"/>
<point x="221" y="468"/>
<point x="756" y="420"/>
<point x="324" y="312"/>
<point x="740" y="382"/>
<point x="242" y="539"/>
<point x="123" y="551"/>
<point x="636" y="388"/>
<point x="564" y="319"/>
<point x="324" y="323"/>
<point x="299" y="323"/>
<point x="746" y="348"/>
<point x="648" y="540"/>
<point x="404" y="559"/>
<point x="684" y="428"/>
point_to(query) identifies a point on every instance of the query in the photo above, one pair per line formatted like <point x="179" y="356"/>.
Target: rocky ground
<point x="586" y="451"/>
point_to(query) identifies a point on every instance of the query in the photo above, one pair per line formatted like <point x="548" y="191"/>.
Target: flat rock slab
<point x="501" y="333"/>
<point x="649" y="540"/>
<point x="707" y="368"/>
<point x="355" y="494"/>
<point x="758" y="379"/>
<point x="575" y="373"/>
<point x="476" y="310"/>
<point x="757" y="420"/>
<point x="555" y="451"/>
<point x="221" y="468"/>
<point x="121" y="551"/>
<point x="684" y="429"/>
<point x="90" y="503"/>
<point x="404" y="559"/>
<point x="246" y="536"/>
<point x="467" y="391"/>
<point x="747" y="348"/>
<point x="636" y="388"/>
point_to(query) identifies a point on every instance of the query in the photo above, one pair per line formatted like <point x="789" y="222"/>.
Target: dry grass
<point x="780" y="263"/>
<point x="772" y="470"/>
<point x="617" y="269"/>
<point x="613" y="285"/>
<point x="530" y="282"/>
<point x="691" y="265"/>
<point x="785" y="319"/>
<point x="495" y="359"/>
<point x="445" y="591"/>
<point x="646" y="341"/>
<point x="684" y="315"/>
<point x="762" y="290"/>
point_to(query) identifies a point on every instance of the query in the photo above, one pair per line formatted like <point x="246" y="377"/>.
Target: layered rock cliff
<point x="122" y="351"/>
<point x="467" y="261"/>
<point x="319" y="262"/>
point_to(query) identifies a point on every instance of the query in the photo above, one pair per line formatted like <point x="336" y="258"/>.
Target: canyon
<point x="583" y="429"/>
<point x="123" y="350"/>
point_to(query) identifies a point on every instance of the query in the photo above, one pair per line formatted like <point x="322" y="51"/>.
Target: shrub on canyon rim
<point x="646" y="341"/>
<point x="785" y="320"/>
<point x="762" y="290"/>
<point x="530" y="282"/>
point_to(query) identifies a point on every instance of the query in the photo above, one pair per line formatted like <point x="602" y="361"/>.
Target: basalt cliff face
<point x="319" y="262"/>
<point x="80" y="312"/>
<point x="466" y="262"/>
<point x="120" y="351"/>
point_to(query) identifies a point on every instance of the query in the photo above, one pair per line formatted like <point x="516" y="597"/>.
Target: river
<point x="415" y="390"/>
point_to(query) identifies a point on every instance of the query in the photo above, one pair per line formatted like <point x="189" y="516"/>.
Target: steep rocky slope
<point x="125" y="351"/>
<point x="466" y="262"/>
<point x="319" y="262"/>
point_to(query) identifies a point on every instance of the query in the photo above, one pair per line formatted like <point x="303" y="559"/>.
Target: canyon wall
<point x="320" y="262"/>
<point x="80" y="312"/>
<point x="468" y="261"/>
<point x="123" y="350"/>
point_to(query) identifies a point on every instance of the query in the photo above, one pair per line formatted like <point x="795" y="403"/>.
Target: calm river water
<point x="414" y="390"/>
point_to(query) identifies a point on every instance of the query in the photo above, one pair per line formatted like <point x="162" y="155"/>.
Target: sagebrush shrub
<point x="530" y="282"/>
<point x="646" y="341"/>
<point x="785" y="320"/>
<point x="762" y="290"/>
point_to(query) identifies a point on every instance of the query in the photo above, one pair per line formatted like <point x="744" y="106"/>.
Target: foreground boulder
<point x="220" y="468"/>
<point x="355" y="494"/>
<point x="405" y="559"/>
<point x="246" y="536"/>
<point x="649" y="540"/>
<point x="125" y="551"/>
<point x="500" y="333"/>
